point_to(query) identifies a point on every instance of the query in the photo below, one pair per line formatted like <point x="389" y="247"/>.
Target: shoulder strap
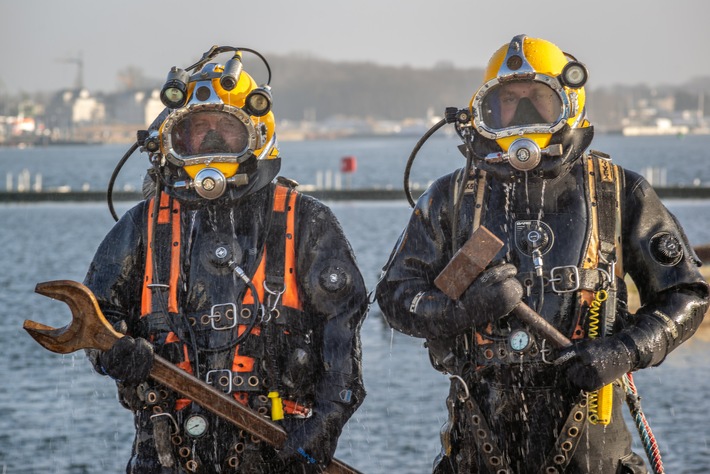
<point x="280" y="254"/>
<point x="163" y="247"/>
<point x="605" y="245"/>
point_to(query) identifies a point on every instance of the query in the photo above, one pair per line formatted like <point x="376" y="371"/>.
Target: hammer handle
<point x="536" y="322"/>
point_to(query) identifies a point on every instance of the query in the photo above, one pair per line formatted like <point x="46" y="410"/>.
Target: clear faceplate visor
<point x="519" y="107"/>
<point x="204" y="134"/>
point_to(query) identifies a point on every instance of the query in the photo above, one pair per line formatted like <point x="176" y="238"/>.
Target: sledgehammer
<point x="469" y="261"/>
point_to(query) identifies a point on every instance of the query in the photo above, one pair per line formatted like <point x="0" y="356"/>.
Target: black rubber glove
<point x="309" y="444"/>
<point x="593" y="363"/>
<point x="129" y="360"/>
<point x="493" y="294"/>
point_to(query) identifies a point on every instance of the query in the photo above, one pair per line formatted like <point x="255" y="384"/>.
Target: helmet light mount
<point x="574" y="75"/>
<point x="231" y="72"/>
<point x="258" y="101"/>
<point x="174" y="93"/>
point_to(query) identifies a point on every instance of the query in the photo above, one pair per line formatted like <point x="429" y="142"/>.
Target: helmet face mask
<point x="212" y="136"/>
<point x="518" y="107"/>
<point x="531" y="91"/>
<point x="200" y="134"/>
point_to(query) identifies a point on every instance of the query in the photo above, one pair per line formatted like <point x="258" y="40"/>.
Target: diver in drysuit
<point x="573" y="225"/>
<point x="236" y="278"/>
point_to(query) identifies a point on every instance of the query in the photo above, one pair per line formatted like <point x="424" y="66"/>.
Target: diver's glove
<point x="311" y="442"/>
<point x="593" y="363"/>
<point x="128" y="360"/>
<point x="492" y="295"/>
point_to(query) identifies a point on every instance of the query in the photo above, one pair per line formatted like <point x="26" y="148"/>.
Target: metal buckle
<point x="215" y="315"/>
<point x="229" y="386"/>
<point x="554" y="279"/>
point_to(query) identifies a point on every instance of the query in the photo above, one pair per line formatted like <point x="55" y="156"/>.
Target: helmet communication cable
<point x="413" y="155"/>
<point x="114" y="175"/>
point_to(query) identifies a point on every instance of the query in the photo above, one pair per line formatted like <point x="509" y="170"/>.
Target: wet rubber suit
<point x="313" y="352"/>
<point x="515" y="412"/>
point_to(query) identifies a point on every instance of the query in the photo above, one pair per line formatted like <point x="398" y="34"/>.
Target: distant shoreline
<point x="355" y="194"/>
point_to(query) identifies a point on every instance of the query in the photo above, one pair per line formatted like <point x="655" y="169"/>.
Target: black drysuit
<point x="310" y="353"/>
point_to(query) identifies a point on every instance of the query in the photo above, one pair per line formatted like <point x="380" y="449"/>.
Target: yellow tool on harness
<point x="277" y="406"/>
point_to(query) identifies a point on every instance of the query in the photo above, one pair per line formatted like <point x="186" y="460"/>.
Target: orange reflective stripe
<point x="164" y="213"/>
<point x="147" y="294"/>
<point x="258" y="280"/>
<point x="185" y="365"/>
<point x="164" y="217"/>
<point x="175" y="249"/>
<point x="290" y="296"/>
<point x="242" y="363"/>
<point x="241" y="397"/>
<point x="280" y="193"/>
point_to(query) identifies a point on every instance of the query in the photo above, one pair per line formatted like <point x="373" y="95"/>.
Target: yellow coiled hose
<point x="600" y="401"/>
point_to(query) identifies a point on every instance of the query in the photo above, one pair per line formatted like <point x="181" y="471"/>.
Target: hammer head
<point x="468" y="262"/>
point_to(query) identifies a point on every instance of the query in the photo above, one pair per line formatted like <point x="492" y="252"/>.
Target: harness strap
<point x="163" y="227"/>
<point x="494" y="459"/>
<point x="280" y="270"/>
<point x="566" y="444"/>
<point x="276" y="283"/>
<point x="608" y="185"/>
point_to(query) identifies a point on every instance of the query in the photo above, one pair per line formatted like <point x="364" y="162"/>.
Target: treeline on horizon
<point x="307" y="87"/>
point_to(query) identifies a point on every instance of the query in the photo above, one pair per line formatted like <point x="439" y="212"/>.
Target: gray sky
<point x="620" y="41"/>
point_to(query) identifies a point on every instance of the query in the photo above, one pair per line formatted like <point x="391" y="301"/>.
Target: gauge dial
<point x="196" y="425"/>
<point x="519" y="340"/>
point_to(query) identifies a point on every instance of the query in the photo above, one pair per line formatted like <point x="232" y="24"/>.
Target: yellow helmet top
<point x="531" y="88"/>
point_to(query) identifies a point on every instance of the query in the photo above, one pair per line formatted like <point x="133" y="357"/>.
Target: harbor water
<point x="58" y="416"/>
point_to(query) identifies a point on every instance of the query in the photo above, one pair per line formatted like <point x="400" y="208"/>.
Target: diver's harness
<point x="255" y="370"/>
<point x="595" y="282"/>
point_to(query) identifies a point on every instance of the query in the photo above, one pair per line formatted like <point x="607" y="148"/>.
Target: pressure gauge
<point x="519" y="340"/>
<point x="196" y="425"/>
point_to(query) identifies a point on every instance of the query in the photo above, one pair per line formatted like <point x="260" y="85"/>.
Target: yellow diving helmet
<point x="219" y="131"/>
<point x="531" y="90"/>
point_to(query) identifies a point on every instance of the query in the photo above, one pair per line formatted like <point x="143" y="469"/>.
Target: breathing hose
<point x="114" y="175"/>
<point x="413" y="155"/>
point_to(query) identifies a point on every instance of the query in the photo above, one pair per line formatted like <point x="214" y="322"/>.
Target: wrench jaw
<point x="83" y="332"/>
<point x="52" y="339"/>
